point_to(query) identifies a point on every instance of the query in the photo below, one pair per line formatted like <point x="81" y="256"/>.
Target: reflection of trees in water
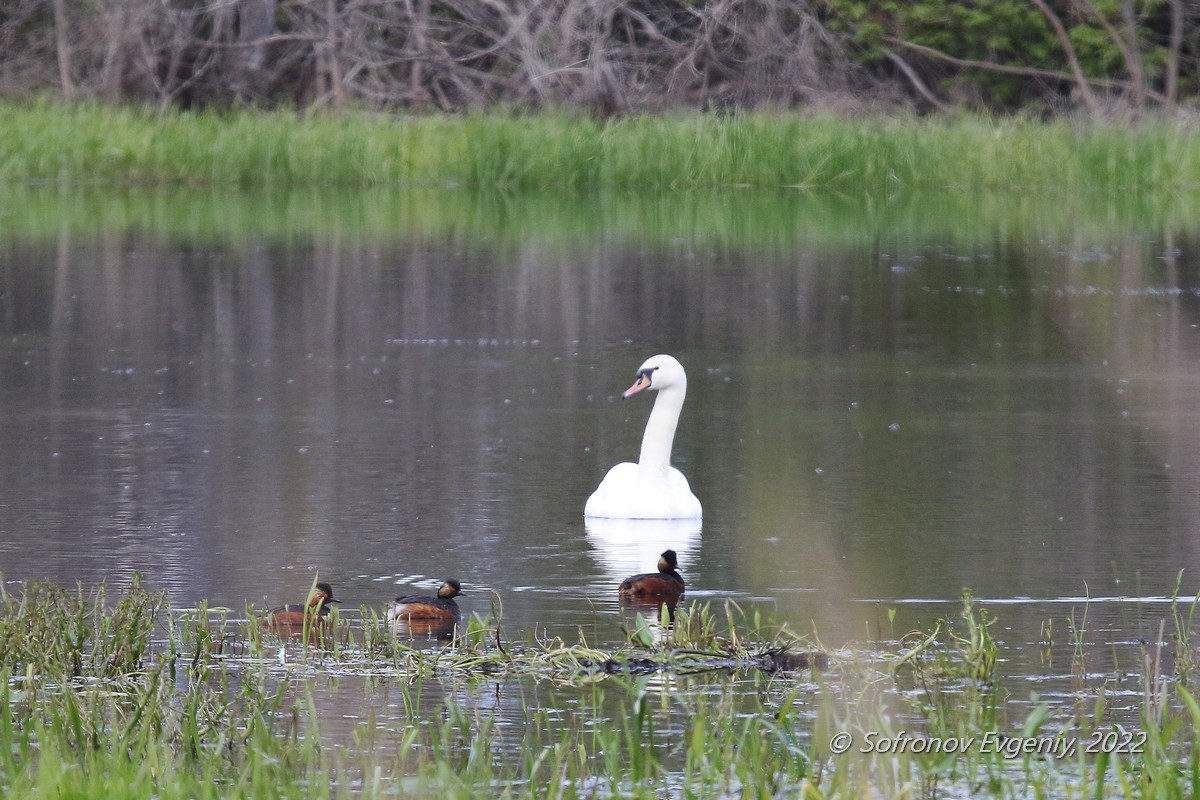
<point x="1023" y="425"/>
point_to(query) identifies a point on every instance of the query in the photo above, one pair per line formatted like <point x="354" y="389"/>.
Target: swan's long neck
<point x="660" y="431"/>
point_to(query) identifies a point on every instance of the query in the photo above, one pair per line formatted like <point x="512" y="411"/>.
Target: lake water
<point x="887" y="403"/>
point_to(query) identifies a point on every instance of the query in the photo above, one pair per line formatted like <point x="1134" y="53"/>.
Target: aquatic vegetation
<point x="48" y="630"/>
<point x="133" y="698"/>
<point x="219" y="707"/>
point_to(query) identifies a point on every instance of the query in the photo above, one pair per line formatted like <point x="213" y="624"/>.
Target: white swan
<point x="651" y="488"/>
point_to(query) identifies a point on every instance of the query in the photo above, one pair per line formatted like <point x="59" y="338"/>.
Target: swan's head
<point x="658" y="373"/>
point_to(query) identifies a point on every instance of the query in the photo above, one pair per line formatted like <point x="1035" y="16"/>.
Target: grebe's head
<point x="449" y="589"/>
<point x="322" y="593"/>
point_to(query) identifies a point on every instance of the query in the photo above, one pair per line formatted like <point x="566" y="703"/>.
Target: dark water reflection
<point x="876" y="417"/>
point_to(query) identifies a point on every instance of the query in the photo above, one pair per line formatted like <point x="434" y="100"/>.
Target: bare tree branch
<point x="1126" y="44"/>
<point x="1008" y="69"/>
<point x="1064" y="41"/>
<point x="609" y="56"/>
<point x="915" y="79"/>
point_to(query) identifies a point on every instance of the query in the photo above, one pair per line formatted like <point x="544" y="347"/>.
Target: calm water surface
<point x="878" y="416"/>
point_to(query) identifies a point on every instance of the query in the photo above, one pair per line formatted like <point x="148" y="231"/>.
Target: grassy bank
<point x="131" y="699"/>
<point x="87" y="144"/>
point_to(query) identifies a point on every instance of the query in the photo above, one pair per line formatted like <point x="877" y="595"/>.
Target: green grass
<point x="213" y="707"/>
<point x="91" y="143"/>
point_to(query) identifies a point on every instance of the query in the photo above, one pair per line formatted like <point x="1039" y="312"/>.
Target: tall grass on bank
<point x="215" y="708"/>
<point x="89" y="143"/>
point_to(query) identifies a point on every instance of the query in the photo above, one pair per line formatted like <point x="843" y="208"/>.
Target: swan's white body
<point x="651" y="488"/>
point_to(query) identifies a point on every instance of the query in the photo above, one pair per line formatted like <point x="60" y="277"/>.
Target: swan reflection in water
<point x="624" y="547"/>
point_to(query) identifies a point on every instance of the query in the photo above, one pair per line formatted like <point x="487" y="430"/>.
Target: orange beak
<point x="642" y="383"/>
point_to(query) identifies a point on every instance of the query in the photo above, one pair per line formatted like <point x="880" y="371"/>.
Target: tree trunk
<point x="1134" y="58"/>
<point x="256" y="22"/>
<point x="333" y="62"/>
<point x="1171" y="90"/>
<point x="63" y="46"/>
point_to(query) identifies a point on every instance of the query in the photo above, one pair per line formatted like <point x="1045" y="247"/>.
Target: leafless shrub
<point x="609" y="56"/>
